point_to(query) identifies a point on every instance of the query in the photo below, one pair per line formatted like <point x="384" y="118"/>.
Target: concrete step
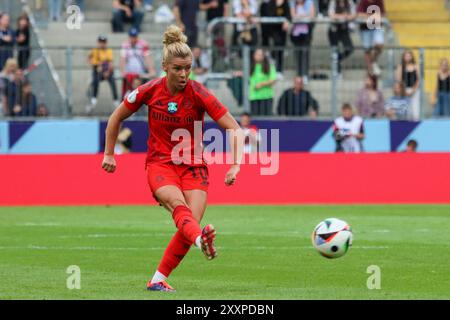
<point x="432" y="28"/>
<point x="414" y="5"/>
<point x="419" y="16"/>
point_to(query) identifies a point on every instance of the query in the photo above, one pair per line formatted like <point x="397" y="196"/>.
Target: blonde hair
<point x="175" y="45"/>
<point x="11" y="62"/>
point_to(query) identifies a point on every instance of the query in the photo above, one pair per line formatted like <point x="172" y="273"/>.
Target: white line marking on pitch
<point x="93" y="248"/>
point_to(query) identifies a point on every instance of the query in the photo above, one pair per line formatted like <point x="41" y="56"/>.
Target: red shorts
<point x="183" y="176"/>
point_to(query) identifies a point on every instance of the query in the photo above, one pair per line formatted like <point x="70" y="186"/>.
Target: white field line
<point x="94" y="248"/>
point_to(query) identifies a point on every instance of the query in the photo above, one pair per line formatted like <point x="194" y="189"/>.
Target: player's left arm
<point x="236" y="134"/>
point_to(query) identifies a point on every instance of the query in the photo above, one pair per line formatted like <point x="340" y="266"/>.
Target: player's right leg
<point x="165" y="184"/>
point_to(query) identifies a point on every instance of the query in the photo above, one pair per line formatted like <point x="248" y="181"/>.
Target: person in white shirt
<point x="348" y="131"/>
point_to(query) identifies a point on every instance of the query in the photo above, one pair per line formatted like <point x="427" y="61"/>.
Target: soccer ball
<point x="332" y="238"/>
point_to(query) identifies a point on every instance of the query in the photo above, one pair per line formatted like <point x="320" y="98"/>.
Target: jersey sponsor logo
<point x="159" y="116"/>
<point x="189" y="119"/>
<point x="132" y="96"/>
<point x="172" y="107"/>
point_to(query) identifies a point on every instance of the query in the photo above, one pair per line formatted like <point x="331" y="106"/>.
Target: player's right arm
<point x="112" y="131"/>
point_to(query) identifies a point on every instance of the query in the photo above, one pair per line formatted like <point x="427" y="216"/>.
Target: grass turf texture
<point x="264" y="253"/>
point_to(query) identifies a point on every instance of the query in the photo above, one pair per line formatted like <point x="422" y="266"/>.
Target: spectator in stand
<point x="442" y="95"/>
<point x="185" y="12"/>
<point x="370" y="100"/>
<point x="102" y="61"/>
<point x="247" y="33"/>
<point x="6" y="39"/>
<point x="297" y="101"/>
<point x="262" y="78"/>
<point x="372" y="39"/>
<point x="408" y="73"/>
<point x="301" y="34"/>
<point x="26" y="105"/>
<point x="251" y="134"/>
<point x="411" y="146"/>
<point x="7" y="78"/>
<point x="265" y="28"/>
<point x="42" y="111"/>
<point x="127" y="11"/>
<point x="54" y="10"/>
<point x="276" y="32"/>
<point x="216" y="9"/>
<point x="342" y="11"/>
<point x="397" y="107"/>
<point x="323" y="7"/>
<point x="135" y="60"/>
<point x="23" y="41"/>
<point x="13" y="91"/>
<point x="200" y="64"/>
<point x="348" y="131"/>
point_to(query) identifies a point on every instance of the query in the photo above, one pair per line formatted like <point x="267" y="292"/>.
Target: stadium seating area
<point x="410" y="20"/>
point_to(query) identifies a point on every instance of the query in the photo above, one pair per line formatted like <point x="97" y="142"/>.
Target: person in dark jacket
<point x="276" y="32"/>
<point x="297" y="101"/>
<point x="27" y="103"/>
<point x="23" y="41"/>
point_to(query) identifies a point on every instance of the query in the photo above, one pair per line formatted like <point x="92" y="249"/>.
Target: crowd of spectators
<point x="268" y="63"/>
<point x="267" y="56"/>
<point x="16" y="93"/>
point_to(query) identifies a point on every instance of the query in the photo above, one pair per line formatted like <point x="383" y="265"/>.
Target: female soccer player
<point x="178" y="182"/>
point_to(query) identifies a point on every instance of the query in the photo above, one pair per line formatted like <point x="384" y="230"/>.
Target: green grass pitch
<point x="265" y="252"/>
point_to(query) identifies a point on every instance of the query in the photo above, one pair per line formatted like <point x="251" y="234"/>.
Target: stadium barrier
<point x="302" y="179"/>
<point x="87" y="136"/>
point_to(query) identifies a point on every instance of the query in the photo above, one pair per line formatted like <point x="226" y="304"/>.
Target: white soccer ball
<point x="332" y="238"/>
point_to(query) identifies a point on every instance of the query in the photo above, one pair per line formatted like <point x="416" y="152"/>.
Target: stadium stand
<point x="419" y="23"/>
<point x="70" y="73"/>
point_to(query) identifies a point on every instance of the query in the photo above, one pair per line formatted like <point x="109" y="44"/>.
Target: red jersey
<point x="168" y="113"/>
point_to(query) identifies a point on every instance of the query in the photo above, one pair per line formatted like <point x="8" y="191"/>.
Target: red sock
<point x="185" y="222"/>
<point x="176" y="250"/>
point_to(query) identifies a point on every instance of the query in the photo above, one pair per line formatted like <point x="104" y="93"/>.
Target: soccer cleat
<point x="207" y="241"/>
<point x="160" y="286"/>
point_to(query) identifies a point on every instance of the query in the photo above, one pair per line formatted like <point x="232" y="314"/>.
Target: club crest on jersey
<point x="172" y="107"/>
<point x="132" y="96"/>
